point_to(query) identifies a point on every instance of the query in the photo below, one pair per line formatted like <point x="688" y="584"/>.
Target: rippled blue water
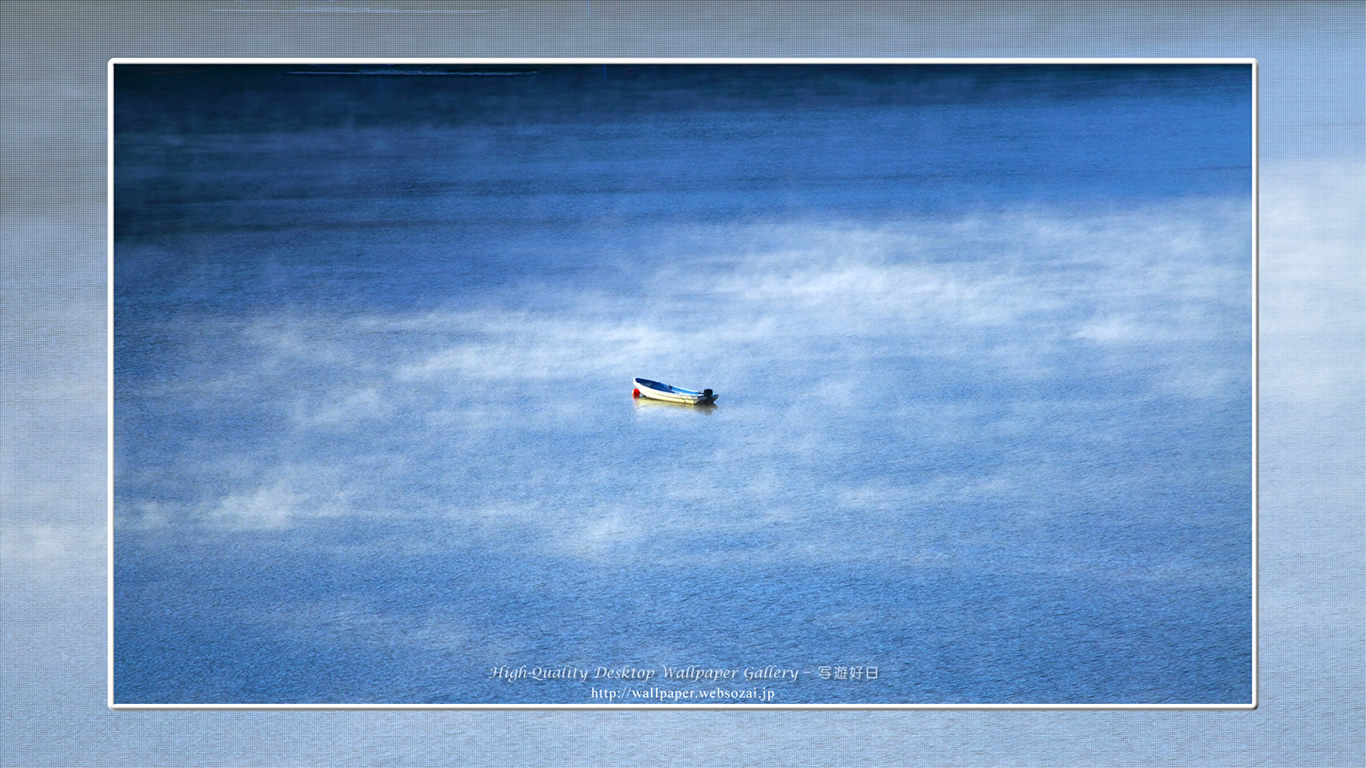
<point x="982" y="338"/>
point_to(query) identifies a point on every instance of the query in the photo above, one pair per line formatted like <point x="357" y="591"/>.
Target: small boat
<point x="655" y="390"/>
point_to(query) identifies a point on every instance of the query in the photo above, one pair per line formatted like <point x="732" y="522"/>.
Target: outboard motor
<point x="706" y="392"/>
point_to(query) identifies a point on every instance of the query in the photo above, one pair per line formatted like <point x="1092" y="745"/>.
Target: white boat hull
<point x="668" y="397"/>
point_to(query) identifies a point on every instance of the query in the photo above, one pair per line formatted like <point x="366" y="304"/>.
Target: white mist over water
<point x="904" y="409"/>
<point x="906" y="325"/>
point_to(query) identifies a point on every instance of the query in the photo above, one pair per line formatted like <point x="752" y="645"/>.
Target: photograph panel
<point x="970" y="348"/>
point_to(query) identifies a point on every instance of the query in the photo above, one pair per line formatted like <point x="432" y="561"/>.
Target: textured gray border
<point x="1312" y="707"/>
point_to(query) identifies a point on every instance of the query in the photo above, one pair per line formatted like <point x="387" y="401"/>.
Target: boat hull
<point x="655" y="390"/>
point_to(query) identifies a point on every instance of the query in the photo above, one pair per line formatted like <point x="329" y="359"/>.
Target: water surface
<point x="982" y="337"/>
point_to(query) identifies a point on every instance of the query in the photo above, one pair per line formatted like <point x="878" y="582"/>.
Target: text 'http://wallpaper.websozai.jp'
<point x="981" y="335"/>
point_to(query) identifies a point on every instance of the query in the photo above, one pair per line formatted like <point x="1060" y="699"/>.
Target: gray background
<point x="53" y="381"/>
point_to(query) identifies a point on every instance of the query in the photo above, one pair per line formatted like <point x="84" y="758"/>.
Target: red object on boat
<point x="635" y="393"/>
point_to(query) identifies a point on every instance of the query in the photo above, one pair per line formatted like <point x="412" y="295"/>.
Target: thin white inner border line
<point x="109" y="438"/>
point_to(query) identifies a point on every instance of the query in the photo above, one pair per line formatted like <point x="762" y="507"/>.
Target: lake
<point x="981" y="334"/>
